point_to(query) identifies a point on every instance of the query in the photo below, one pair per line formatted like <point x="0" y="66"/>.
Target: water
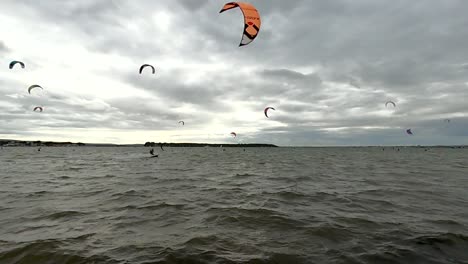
<point x="205" y="205"/>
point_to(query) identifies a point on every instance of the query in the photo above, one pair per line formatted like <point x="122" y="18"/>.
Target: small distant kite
<point x="409" y="132"/>
<point x="34" y="86"/>
<point x="390" y="102"/>
<point x="38" y="108"/>
<point x="266" y="111"/>
<point x="147" y="65"/>
<point x="233" y="134"/>
<point x="183" y="123"/>
<point x="13" y="63"/>
<point x="251" y="20"/>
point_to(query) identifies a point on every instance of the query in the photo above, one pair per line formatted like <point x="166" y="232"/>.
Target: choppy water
<point x="282" y="205"/>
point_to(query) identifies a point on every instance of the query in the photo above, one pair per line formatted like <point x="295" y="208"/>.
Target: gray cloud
<point x="327" y="67"/>
<point x="175" y="92"/>
<point x="3" y="47"/>
<point x="193" y="5"/>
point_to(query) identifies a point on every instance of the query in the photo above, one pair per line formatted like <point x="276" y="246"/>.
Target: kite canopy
<point x="266" y="111"/>
<point x="390" y="102"/>
<point x="251" y="20"/>
<point x="233" y="134"/>
<point x="409" y="132"/>
<point x="147" y="65"/>
<point x="32" y="87"/>
<point x="13" y="63"/>
<point x="38" y="108"/>
<point x="183" y="123"/>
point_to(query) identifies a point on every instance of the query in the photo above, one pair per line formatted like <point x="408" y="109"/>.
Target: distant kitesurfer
<point x="152" y="153"/>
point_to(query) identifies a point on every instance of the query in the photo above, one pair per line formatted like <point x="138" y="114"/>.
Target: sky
<point x="327" y="67"/>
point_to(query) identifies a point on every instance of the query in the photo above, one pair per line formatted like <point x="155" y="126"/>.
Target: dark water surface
<point x="203" y="205"/>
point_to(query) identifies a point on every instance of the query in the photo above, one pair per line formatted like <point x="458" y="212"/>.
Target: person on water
<point x="152" y="153"/>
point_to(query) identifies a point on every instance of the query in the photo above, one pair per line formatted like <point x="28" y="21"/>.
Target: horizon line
<point x="204" y="143"/>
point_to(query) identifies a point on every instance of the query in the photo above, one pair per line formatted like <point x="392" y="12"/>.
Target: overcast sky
<point x="327" y="67"/>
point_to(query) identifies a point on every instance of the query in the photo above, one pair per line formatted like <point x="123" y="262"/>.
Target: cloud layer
<point x="327" y="67"/>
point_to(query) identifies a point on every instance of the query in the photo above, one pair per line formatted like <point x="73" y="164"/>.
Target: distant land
<point x="38" y="143"/>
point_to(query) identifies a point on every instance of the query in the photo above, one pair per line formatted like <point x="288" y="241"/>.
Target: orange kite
<point x="251" y="20"/>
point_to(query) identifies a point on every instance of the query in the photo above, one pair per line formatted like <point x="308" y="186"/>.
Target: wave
<point x="153" y="206"/>
<point x="431" y="249"/>
<point x="64" y="214"/>
<point x="49" y="251"/>
<point x="38" y="193"/>
<point x="447" y="239"/>
<point x="425" y="249"/>
<point x="245" y="175"/>
<point x="192" y="251"/>
<point x="252" y="217"/>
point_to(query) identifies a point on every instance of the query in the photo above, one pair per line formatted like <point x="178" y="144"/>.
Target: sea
<point x="117" y="205"/>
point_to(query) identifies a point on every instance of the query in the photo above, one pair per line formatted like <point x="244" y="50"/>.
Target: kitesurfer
<point x="152" y="153"/>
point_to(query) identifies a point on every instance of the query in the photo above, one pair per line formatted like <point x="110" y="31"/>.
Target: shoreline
<point x="38" y="143"/>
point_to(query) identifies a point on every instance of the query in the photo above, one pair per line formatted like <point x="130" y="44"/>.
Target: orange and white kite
<point x="251" y="20"/>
